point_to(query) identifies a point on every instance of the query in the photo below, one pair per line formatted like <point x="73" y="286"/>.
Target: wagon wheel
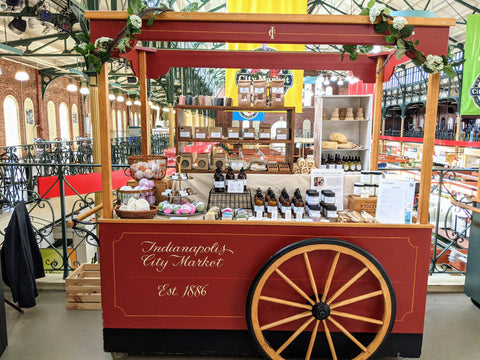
<point x="321" y="298"/>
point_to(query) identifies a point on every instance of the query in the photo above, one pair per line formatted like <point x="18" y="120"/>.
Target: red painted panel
<point x="197" y="276"/>
<point x="284" y="33"/>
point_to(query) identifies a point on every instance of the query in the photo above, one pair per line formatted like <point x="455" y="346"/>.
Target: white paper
<point x="184" y="134"/>
<point x="329" y="179"/>
<point x="248" y="135"/>
<point x="215" y="135"/>
<point x="393" y="199"/>
<point x="264" y="135"/>
<point x="235" y="186"/>
<point x="200" y="135"/>
<point x="281" y="136"/>
<point x="233" y="135"/>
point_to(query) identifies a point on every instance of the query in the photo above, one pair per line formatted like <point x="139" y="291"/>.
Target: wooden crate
<point x="83" y="288"/>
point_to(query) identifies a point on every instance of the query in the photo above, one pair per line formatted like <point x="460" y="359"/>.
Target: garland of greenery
<point x="398" y="31"/>
<point x="98" y="53"/>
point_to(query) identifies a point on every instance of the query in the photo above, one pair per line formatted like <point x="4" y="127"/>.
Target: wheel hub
<point x="321" y="311"/>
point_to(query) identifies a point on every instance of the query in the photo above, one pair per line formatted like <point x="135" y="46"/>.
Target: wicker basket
<point x="124" y="195"/>
<point x="152" y="167"/>
<point x="149" y="214"/>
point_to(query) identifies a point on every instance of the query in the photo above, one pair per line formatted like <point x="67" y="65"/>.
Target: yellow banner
<point x="293" y="78"/>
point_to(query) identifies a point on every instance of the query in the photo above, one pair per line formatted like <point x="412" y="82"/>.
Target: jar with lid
<point x="314" y="211"/>
<point x="370" y="189"/>
<point x="329" y="197"/>
<point x="365" y="177"/>
<point x="312" y="197"/>
<point x="259" y="206"/>
<point x="357" y="188"/>
<point x="376" y="177"/>
<point x="331" y="212"/>
<point x="272" y="207"/>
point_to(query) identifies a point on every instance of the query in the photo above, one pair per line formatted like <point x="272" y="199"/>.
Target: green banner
<point x="471" y="68"/>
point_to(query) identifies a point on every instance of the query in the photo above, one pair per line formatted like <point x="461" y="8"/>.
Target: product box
<point x="281" y="134"/>
<point x="264" y="132"/>
<point x="249" y="133"/>
<point x="184" y="131"/>
<point x="187" y="161"/>
<point x="359" y="204"/>
<point x="201" y="132"/>
<point x="215" y="133"/>
<point x="233" y="133"/>
<point x="203" y="161"/>
<point x="220" y="160"/>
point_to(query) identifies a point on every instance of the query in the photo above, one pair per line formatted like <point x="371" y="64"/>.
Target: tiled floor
<point x="49" y="332"/>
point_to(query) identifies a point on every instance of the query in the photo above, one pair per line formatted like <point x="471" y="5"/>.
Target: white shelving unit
<point x="357" y="131"/>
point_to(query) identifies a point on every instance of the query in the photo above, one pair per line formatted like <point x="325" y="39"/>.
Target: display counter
<point x="190" y="282"/>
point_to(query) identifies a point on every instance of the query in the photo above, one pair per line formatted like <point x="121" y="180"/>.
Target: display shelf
<point x="223" y="120"/>
<point x="356" y="131"/>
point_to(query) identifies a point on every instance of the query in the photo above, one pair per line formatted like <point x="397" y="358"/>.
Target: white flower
<point x="135" y="21"/>
<point x="434" y="63"/>
<point x="103" y="43"/>
<point x="399" y="22"/>
<point x="82" y="46"/>
<point x="375" y="11"/>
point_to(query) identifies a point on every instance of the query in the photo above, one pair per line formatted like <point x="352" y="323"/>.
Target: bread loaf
<point x="329" y="145"/>
<point x="347" y="145"/>
<point x="338" y="137"/>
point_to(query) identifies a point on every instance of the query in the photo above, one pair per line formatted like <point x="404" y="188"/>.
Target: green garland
<point x="98" y="53"/>
<point x="397" y="33"/>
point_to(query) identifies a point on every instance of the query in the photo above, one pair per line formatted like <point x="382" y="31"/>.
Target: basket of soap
<point x="136" y="209"/>
<point x="151" y="167"/>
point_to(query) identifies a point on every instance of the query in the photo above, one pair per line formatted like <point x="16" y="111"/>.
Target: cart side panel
<point x="182" y="275"/>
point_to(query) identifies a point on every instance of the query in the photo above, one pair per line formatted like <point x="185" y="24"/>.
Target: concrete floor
<point x="48" y="331"/>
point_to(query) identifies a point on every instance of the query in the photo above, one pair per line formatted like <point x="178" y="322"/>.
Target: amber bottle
<point x="229" y="176"/>
<point x="272" y="206"/>
<point x="243" y="176"/>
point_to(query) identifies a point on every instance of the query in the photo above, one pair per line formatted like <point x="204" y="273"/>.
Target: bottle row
<point x="347" y="163"/>
<point x="284" y="207"/>
<point x="222" y="182"/>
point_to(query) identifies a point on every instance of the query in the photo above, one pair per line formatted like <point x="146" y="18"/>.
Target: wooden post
<point x="402" y="124"/>
<point x="142" y="69"/>
<point x="459" y="127"/>
<point x="106" y="152"/>
<point x="171" y="126"/>
<point x="377" y="115"/>
<point x="428" y="146"/>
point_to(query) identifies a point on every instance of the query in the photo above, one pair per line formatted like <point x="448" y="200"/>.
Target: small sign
<point x="235" y="186"/>
<point x="248" y="135"/>
<point x="281" y="136"/>
<point x="200" y="135"/>
<point x="215" y="135"/>
<point x="184" y="134"/>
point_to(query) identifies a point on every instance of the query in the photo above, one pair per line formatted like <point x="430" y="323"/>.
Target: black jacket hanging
<point x="21" y="259"/>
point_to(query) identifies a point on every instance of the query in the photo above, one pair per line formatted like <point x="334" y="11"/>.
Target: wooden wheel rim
<point x="300" y="249"/>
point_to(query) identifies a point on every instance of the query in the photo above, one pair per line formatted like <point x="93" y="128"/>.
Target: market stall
<point x="284" y="288"/>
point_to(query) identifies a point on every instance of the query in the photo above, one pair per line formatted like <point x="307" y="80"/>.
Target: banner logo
<point x="475" y="91"/>
<point x="271" y="32"/>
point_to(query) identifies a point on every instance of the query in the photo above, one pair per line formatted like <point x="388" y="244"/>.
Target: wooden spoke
<point x="347" y="285"/>
<point x="312" y="340"/>
<point x="286" y="320"/>
<point x="329" y="339"/>
<point x="295" y="287"/>
<point x="348" y="334"/>
<point x="356" y="299"/>
<point x="286" y="302"/>
<point x="357" y="317"/>
<point x="330" y="276"/>
<point x="294" y="335"/>
<point x="310" y="276"/>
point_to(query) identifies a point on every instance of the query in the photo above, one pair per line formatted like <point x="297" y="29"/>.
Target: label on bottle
<point x="352" y="167"/>
<point x="331" y="214"/>
<point x="219" y="184"/>
<point x="245" y="182"/>
<point x="359" y="167"/>
<point x="323" y="166"/>
<point x="330" y="166"/>
<point x="299" y="210"/>
<point x="258" y="211"/>
<point x="288" y="213"/>
<point x="259" y="90"/>
<point x="346" y="167"/>
<point x="338" y="166"/>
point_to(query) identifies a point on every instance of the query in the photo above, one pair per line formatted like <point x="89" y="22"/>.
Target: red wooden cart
<point x="285" y="289"/>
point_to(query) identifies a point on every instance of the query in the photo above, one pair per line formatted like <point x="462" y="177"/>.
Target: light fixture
<point x="111" y="97"/>
<point x="72" y="87"/>
<point x="327" y="81"/>
<point x="333" y="77"/>
<point x="340" y="82"/>
<point x="46" y="29"/>
<point x="31" y="23"/>
<point x="353" y="80"/>
<point x="137" y="102"/>
<point x="120" y="98"/>
<point x="84" y="90"/>
<point x="18" y="25"/>
<point x="22" y="75"/>
<point x="347" y="78"/>
<point x="13" y="3"/>
<point x="165" y="109"/>
<point x="129" y="103"/>
<point x="44" y="15"/>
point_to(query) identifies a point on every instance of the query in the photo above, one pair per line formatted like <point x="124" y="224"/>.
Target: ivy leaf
<point x="130" y="11"/>
<point x="401" y="44"/>
<point x="136" y="5"/>
<point x="364" y="11"/>
<point x="90" y="46"/>
<point x="420" y="56"/>
<point x="354" y="56"/>
<point x="407" y="31"/>
<point x="381" y="27"/>
<point x="371" y="3"/>
<point x="417" y="42"/>
<point x="390" y="38"/>
<point x="386" y="11"/>
<point x="150" y="20"/>
<point x="392" y="30"/>
<point x="427" y="70"/>
<point x="350" y="48"/>
<point x="417" y="62"/>
<point x="445" y="60"/>
<point x="449" y="71"/>
<point x="191" y="7"/>
<point x="400" y="53"/>
<point x="103" y="56"/>
<point x="365" y="49"/>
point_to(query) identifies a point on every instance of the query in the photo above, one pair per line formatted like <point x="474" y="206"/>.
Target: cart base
<point x="231" y="343"/>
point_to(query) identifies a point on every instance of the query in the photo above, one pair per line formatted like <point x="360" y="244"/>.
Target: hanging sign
<point x="471" y="68"/>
